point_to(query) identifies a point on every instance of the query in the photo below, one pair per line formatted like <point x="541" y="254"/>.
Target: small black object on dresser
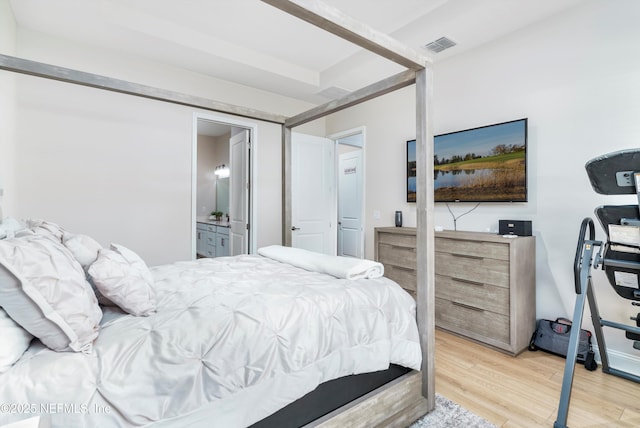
<point x="398" y="218"/>
<point x="514" y="227"/>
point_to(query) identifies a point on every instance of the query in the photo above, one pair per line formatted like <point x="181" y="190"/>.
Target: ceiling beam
<point x="390" y="84"/>
<point x="39" y="69"/>
<point x="338" y="23"/>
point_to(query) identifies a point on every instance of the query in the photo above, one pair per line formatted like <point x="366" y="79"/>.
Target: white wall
<point x="575" y="76"/>
<point x="117" y="167"/>
<point x="7" y="110"/>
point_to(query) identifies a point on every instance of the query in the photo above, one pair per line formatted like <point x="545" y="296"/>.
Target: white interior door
<point x="239" y="192"/>
<point x="350" y="176"/>
<point x="313" y="193"/>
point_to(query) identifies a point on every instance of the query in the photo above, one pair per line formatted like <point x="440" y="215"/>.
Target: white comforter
<point x="234" y="339"/>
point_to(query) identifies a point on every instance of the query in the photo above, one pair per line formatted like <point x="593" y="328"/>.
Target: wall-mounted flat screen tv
<point x="485" y="164"/>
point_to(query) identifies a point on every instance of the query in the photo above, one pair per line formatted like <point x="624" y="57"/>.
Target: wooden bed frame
<point x="403" y="400"/>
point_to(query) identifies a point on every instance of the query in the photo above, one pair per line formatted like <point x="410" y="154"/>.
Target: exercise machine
<point x="615" y="173"/>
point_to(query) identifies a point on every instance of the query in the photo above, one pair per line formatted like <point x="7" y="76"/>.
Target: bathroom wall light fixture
<point x="222" y="171"/>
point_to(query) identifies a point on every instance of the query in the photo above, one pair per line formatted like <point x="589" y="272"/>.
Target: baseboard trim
<point x="620" y="360"/>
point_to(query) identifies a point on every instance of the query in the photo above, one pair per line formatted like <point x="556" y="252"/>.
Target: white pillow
<point x="84" y="248"/>
<point x="122" y="276"/>
<point x="14" y="340"/>
<point x="51" y="298"/>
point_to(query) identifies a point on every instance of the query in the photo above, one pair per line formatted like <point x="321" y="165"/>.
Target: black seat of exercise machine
<point x="614" y="214"/>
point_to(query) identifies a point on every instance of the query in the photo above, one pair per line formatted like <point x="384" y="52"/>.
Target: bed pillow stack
<point x="47" y="292"/>
<point x="49" y="295"/>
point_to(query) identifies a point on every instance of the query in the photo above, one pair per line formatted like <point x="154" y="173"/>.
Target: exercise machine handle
<point x="576" y="263"/>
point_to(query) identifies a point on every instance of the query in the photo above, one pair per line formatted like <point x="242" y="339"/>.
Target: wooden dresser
<point x="485" y="284"/>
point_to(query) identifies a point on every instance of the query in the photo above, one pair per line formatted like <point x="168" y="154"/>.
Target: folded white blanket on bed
<point x="340" y="267"/>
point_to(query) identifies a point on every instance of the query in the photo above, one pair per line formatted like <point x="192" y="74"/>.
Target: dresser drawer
<point x="483" y="296"/>
<point x="463" y="247"/>
<point x="397" y="239"/>
<point x="473" y="268"/>
<point x="471" y="321"/>
<point x="389" y="254"/>
<point x="405" y="277"/>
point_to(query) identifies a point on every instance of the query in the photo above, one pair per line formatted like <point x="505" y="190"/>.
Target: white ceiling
<point x="254" y="44"/>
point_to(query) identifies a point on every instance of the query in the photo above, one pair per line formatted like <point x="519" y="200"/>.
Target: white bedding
<point x="233" y="340"/>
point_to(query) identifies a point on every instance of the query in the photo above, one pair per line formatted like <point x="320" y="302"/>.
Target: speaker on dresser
<point x="514" y="227"/>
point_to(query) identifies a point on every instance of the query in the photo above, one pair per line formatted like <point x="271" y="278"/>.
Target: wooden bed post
<point x="286" y="185"/>
<point x="425" y="231"/>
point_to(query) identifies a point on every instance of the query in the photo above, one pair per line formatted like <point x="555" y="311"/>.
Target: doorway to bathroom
<point x="221" y="194"/>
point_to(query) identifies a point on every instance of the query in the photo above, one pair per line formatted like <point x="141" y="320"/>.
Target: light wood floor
<point x="523" y="391"/>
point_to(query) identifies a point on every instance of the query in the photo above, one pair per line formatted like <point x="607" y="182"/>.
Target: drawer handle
<point x="468" y="281"/>
<point x="473" y="308"/>
<point x="402" y="268"/>
<point x="401" y="247"/>
<point x="467" y="256"/>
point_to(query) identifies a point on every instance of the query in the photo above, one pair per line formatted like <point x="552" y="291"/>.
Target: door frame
<point x="336" y="137"/>
<point x="231" y="121"/>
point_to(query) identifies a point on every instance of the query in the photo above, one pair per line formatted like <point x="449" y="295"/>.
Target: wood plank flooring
<point x="524" y="391"/>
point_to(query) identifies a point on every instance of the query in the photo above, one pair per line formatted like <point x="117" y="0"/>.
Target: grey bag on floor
<point x="553" y="337"/>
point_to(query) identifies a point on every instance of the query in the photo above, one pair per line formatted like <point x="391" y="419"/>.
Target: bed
<point x="397" y="402"/>
<point x="231" y="340"/>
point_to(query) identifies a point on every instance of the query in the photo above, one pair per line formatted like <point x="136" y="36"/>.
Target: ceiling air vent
<point x="439" y="45"/>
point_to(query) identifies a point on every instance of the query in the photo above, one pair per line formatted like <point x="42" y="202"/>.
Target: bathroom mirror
<point x="222" y="195"/>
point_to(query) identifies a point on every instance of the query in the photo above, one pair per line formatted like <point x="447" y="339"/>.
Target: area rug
<point x="448" y="414"/>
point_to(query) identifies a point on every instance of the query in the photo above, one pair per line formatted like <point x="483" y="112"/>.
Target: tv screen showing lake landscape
<point x="485" y="164"/>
